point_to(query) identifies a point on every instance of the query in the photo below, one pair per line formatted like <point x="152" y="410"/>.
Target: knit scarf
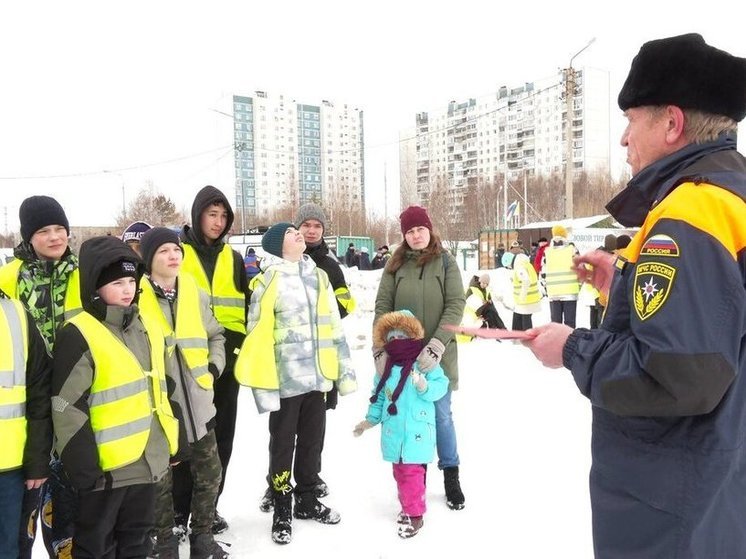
<point x="403" y="353"/>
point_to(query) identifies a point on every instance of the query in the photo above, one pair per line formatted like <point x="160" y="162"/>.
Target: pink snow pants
<point x="410" y="482"/>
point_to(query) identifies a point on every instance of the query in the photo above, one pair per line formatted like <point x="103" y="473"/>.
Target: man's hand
<point x="548" y="342"/>
<point x="35" y="483"/>
<point x="601" y="272"/>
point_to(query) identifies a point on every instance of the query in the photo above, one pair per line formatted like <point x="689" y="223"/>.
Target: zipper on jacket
<point x="184" y="386"/>
<point x="311" y="323"/>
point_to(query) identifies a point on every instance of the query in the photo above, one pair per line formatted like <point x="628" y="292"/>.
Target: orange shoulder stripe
<point x="711" y="209"/>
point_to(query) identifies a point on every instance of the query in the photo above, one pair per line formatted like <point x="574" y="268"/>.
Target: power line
<point x="120" y="169"/>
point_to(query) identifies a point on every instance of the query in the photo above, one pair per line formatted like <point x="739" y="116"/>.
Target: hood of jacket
<point x="206" y="197"/>
<point x="396" y="320"/>
<point x="95" y="255"/>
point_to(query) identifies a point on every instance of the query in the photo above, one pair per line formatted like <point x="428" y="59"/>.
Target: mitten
<point x="419" y="381"/>
<point x="347" y="382"/>
<point x="361" y="427"/>
<point x="430" y="355"/>
<point x="379" y="359"/>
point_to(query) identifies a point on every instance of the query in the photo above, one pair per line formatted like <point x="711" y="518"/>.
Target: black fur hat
<point x="686" y="72"/>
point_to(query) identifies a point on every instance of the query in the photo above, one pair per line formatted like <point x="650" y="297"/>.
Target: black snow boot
<point x="268" y="501"/>
<point x="219" y="524"/>
<point x="167" y="548"/>
<point x="282" y="520"/>
<point x="308" y="507"/>
<point x="454" y="497"/>
<point x="204" y="546"/>
<point x="321" y="489"/>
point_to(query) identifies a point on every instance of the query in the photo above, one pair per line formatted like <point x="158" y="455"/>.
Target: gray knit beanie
<point x="310" y="211"/>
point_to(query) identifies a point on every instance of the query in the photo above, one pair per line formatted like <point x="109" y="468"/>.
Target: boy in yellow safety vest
<point x="219" y="270"/>
<point x="25" y="420"/>
<point x="113" y="423"/>
<point x="293" y="353"/>
<point x="195" y="359"/>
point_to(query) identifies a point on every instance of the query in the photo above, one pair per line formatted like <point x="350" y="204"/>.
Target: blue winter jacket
<point x="409" y="436"/>
<point x="666" y="372"/>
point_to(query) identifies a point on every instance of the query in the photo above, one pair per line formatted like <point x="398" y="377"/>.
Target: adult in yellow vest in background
<point x="219" y="271"/>
<point x="526" y="296"/>
<point x="195" y="359"/>
<point x="560" y="281"/>
<point x="44" y="278"/>
<point x="113" y="423"/>
<point x="25" y="418"/>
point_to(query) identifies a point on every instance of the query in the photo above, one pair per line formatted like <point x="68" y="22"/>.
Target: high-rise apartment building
<point x="512" y="131"/>
<point x="288" y="153"/>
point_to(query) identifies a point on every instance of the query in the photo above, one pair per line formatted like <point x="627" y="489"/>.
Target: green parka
<point x="435" y="295"/>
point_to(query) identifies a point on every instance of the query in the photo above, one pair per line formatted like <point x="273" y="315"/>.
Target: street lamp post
<point x="569" y="96"/>
<point x="124" y="204"/>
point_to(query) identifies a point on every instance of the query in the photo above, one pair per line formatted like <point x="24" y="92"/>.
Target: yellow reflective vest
<point x="9" y="285"/>
<point x="189" y="335"/>
<point x="227" y="302"/>
<point x="560" y="278"/>
<point x="256" y="366"/>
<point x="120" y="403"/>
<point x="532" y="294"/>
<point x="13" y="357"/>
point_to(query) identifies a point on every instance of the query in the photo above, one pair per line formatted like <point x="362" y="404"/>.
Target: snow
<point x="524" y="442"/>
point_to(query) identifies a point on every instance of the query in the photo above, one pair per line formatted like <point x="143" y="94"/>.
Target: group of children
<point x="127" y="357"/>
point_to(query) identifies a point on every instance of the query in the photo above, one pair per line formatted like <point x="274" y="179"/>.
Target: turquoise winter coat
<point x="409" y="436"/>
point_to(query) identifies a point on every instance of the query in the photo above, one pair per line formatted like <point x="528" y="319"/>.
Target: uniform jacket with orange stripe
<point x="666" y="371"/>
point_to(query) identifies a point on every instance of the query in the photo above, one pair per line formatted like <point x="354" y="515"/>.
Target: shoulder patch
<point x="653" y="283"/>
<point x="660" y="245"/>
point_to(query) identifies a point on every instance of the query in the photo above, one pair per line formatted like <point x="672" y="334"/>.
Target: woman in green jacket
<point x="424" y="278"/>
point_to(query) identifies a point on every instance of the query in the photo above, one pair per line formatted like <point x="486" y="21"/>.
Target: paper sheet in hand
<point x="493" y="333"/>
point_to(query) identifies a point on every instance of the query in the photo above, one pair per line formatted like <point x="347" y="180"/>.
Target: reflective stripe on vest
<point x="560" y="278"/>
<point x="252" y="369"/>
<point x="13" y="358"/>
<point x="73" y="304"/>
<point x="122" y="400"/>
<point x="532" y="294"/>
<point x="190" y="335"/>
<point x="228" y="304"/>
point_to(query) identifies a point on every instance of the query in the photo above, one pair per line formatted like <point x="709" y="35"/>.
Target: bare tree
<point x="152" y="207"/>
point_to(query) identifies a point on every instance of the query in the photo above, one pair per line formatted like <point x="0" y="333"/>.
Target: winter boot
<point x="409" y="526"/>
<point x="167" y="548"/>
<point x="219" y="525"/>
<point x="454" y="497"/>
<point x="204" y="546"/>
<point x="307" y="506"/>
<point x="181" y="529"/>
<point x="267" y="503"/>
<point x="321" y="489"/>
<point x="282" y="520"/>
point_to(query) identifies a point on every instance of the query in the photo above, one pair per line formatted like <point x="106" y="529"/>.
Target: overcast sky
<point x="133" y="88"/>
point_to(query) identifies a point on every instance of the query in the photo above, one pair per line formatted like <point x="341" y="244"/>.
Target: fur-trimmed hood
<point x="396" y="320"/>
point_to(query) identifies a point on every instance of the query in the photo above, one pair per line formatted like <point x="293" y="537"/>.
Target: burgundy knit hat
<point x="414" y="216"/>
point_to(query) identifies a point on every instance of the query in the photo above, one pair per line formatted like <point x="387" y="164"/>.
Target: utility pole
<point x="569" y="74"/>
<point x="505" y="196"/>
<point x="385" y="206"/>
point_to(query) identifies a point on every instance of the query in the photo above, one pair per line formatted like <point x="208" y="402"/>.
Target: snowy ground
<point x="524" y="442"/>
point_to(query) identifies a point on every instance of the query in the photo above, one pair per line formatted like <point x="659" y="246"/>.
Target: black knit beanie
<point x="274" y="237"/>
<point x="117" y="270"/>
<point x="37" y="212"/>
<point x="152" y="240"/>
